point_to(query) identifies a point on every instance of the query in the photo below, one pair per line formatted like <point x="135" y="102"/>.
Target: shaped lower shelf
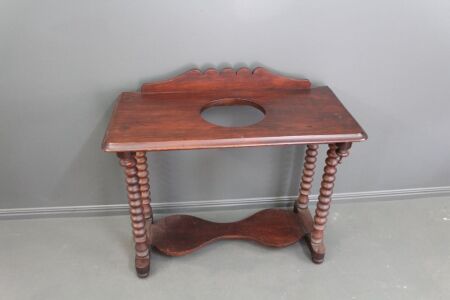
<point x="182" y="234"/>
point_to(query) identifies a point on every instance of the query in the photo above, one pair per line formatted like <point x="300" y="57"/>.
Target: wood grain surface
<point x="182" y="234"/>
<point x="166" y="115"/>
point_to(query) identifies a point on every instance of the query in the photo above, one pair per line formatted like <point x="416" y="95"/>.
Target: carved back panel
<point x="197" y="81"/>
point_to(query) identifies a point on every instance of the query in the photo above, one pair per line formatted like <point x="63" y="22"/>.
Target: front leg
<point x="334" y="155"/>
<point x="307" y="177"/>
<point x="142" y="258"/>
<point x="144" y="184"/>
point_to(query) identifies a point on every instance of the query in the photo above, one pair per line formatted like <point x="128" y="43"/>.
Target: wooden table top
<point x="166" y="115"/>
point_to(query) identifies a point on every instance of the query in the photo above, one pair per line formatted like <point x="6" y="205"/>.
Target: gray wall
<point x="62" y="63"/>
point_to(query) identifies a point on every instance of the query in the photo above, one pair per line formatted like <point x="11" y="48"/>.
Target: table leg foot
<point x="318" y="258"/>
<point x="142" y="266"/>
<point x="317" y="251"/>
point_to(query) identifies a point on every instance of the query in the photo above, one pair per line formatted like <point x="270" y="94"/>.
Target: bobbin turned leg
<point x="144" y="185"/>
<point x="307" y="177"/>
<point x="334" y="155"/>
<point x="142" y="258"/>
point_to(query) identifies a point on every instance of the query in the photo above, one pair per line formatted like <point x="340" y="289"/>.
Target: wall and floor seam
<point x="220" y="204"/>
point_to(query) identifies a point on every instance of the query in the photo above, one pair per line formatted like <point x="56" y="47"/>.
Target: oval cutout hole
<point x="232" y="112"/>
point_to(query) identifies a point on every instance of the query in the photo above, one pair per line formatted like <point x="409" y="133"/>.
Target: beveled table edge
<point x="232" y="143"/>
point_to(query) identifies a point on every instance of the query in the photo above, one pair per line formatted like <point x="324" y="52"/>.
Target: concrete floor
<point x="376" y="250"/>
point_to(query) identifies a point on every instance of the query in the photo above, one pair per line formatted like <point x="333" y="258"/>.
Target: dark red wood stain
<point x="166" y="116"/>
<point x="181" y="234"/>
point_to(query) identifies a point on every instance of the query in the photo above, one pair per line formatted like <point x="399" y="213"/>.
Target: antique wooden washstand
<point x="167" y="116"/>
